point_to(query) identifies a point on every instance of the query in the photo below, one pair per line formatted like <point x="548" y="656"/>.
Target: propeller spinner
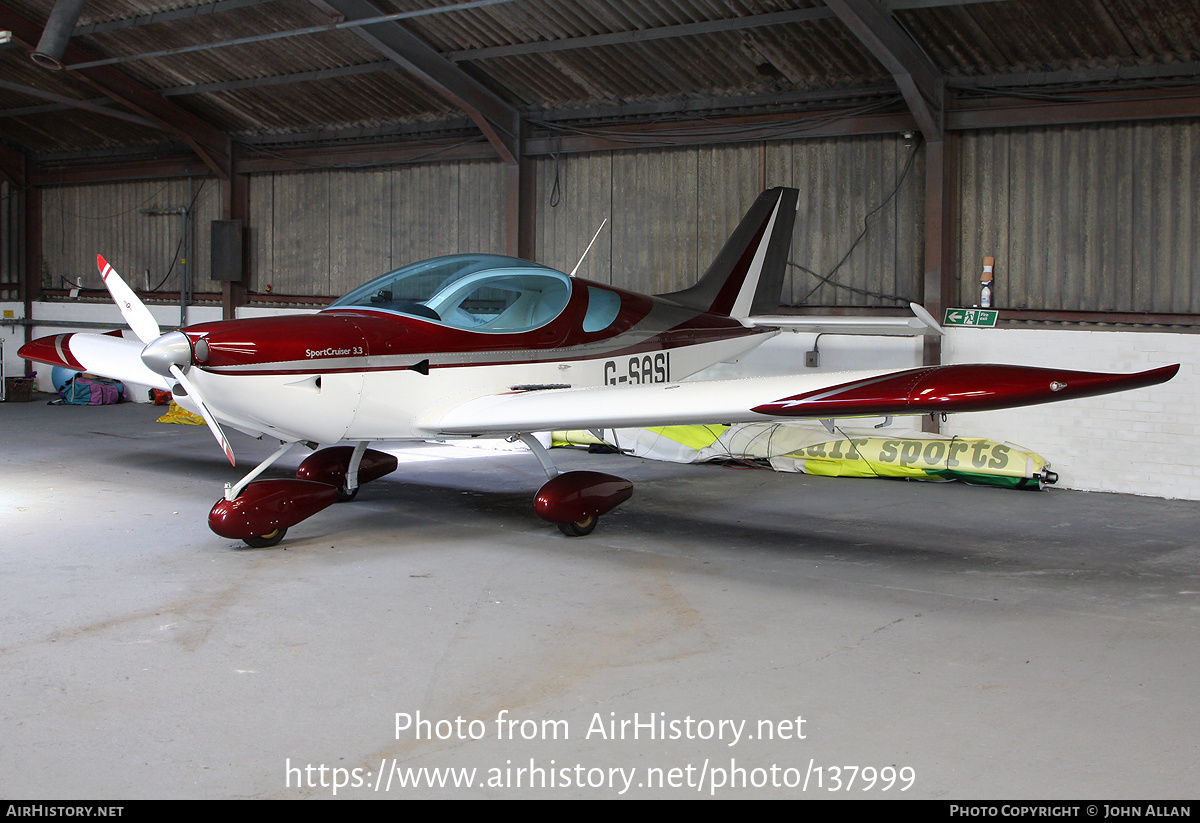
<point x="165" y="354"/>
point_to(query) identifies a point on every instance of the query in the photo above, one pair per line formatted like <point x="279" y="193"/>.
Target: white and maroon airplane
<point x="477" y="345"/>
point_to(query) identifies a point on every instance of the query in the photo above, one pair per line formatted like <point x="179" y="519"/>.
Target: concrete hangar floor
<point x="728" y="633"/>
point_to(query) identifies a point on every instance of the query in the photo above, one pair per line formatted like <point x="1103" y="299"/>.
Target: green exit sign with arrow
<point x="970" y="317"/>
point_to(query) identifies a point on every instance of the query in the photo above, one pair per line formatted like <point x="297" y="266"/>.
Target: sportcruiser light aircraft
<point x="478" y="345"/>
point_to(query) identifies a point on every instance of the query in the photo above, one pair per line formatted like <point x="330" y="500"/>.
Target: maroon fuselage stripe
<point x="357" y="340"/>
<point x="658" y="342"/>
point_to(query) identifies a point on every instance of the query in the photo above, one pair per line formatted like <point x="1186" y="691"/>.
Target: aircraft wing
<point x="107" y="355"/>
<point x="937" y="389"/>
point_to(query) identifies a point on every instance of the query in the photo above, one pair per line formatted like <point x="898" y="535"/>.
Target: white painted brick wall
<point x="1141" y="442"/>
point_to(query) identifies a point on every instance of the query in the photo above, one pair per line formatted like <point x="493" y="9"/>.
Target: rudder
<point x="746" y="276"/>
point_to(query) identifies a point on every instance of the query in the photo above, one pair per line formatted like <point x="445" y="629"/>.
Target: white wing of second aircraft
<point x="109" y="355"/>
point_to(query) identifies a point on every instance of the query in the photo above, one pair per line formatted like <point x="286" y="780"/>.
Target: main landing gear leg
<point x="349" y="491"/>
<point x="539" y="451"/>
<point x="346" y="468"/>
<point x="574" y="501"/>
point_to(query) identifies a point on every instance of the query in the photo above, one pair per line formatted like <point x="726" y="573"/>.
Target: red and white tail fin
<point x="746" y="276"/>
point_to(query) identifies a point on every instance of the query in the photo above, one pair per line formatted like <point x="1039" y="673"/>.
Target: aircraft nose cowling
<point x="167" y="350"/>
<point x="281" y="345"/>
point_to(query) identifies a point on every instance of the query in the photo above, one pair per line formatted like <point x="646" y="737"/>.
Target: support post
<point x="938" y="286"/>
<point x="235" y="205"/>
<point x="31" y="264"/>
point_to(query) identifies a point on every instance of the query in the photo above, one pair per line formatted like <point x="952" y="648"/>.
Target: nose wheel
<point x="579" y="528"/>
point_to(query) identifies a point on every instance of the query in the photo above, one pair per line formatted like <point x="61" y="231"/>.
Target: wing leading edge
<point x="936" y="389"/>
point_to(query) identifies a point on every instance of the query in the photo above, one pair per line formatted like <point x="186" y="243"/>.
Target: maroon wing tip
<point x="959" y="388"/>
<point x="1162" y="374"/>
<point x="54" y="350"/>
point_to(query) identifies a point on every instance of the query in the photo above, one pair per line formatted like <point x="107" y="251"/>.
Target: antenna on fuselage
<point x="589" y="247"/>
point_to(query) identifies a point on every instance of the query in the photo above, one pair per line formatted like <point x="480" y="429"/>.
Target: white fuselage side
<point x="389" y="405"/>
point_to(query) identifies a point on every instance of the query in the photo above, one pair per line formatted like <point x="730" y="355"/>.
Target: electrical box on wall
<point x="227" y="250"/>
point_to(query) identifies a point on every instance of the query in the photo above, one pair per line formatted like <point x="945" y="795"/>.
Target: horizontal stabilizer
<point x="921" y="323"/>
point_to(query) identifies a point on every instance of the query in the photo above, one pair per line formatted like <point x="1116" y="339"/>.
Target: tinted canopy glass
<point x="480" y="292"/>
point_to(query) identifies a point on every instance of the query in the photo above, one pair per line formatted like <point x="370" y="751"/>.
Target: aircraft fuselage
<point x="372" y="374"/>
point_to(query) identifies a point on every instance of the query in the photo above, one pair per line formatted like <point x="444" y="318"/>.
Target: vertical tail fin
<point x="746" y="277"/>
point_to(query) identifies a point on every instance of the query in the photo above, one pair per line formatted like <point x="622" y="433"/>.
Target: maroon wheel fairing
<point x="574" y="497"/>
<point x="266" y="506"/>
<point x="330" y="466"/>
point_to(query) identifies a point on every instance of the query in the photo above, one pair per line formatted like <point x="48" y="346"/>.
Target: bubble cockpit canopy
<point x="477" y="292"/>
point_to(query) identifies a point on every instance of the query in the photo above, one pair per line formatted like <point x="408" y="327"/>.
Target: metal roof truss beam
<point x="920" y="81"/>
<point x="500" y="122"/>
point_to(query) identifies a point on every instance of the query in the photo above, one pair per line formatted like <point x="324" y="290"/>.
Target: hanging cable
<point x="555" y="189"/>
<point x="827" y="278"/>
<point x="179" y="247"/>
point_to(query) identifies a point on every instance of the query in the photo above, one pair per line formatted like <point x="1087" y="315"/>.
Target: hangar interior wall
<point x="1083" y="218"/>
<point x="10" y="252"/>
<point x="671" y="209"/>
<point x="322" y="233"/>
<point x="1139" y="442"/>
<point x="1079" y="218"/>
<point x="79" y="222"/>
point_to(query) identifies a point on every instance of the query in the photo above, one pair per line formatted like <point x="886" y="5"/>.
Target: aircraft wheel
<point x="344" y="496"/>
<point x="579" y="528"/>
<point x="265" y="541"/>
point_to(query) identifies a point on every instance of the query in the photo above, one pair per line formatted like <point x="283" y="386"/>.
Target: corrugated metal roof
<point x="644" y="56"/>
<point x="1033" y="35"/>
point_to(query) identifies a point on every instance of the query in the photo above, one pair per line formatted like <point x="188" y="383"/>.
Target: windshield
<point x="481" y="292"/>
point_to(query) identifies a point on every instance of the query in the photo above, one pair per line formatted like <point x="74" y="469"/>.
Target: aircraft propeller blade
<point x="132" y="309"/>
<point x="146" y="328"/>
<point x="213" y="426"/>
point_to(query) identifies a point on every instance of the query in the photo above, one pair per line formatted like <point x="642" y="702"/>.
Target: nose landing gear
<point x="259" y="512"/>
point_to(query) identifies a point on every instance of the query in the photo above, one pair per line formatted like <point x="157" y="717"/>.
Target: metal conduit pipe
<point x="57" y="34"/>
